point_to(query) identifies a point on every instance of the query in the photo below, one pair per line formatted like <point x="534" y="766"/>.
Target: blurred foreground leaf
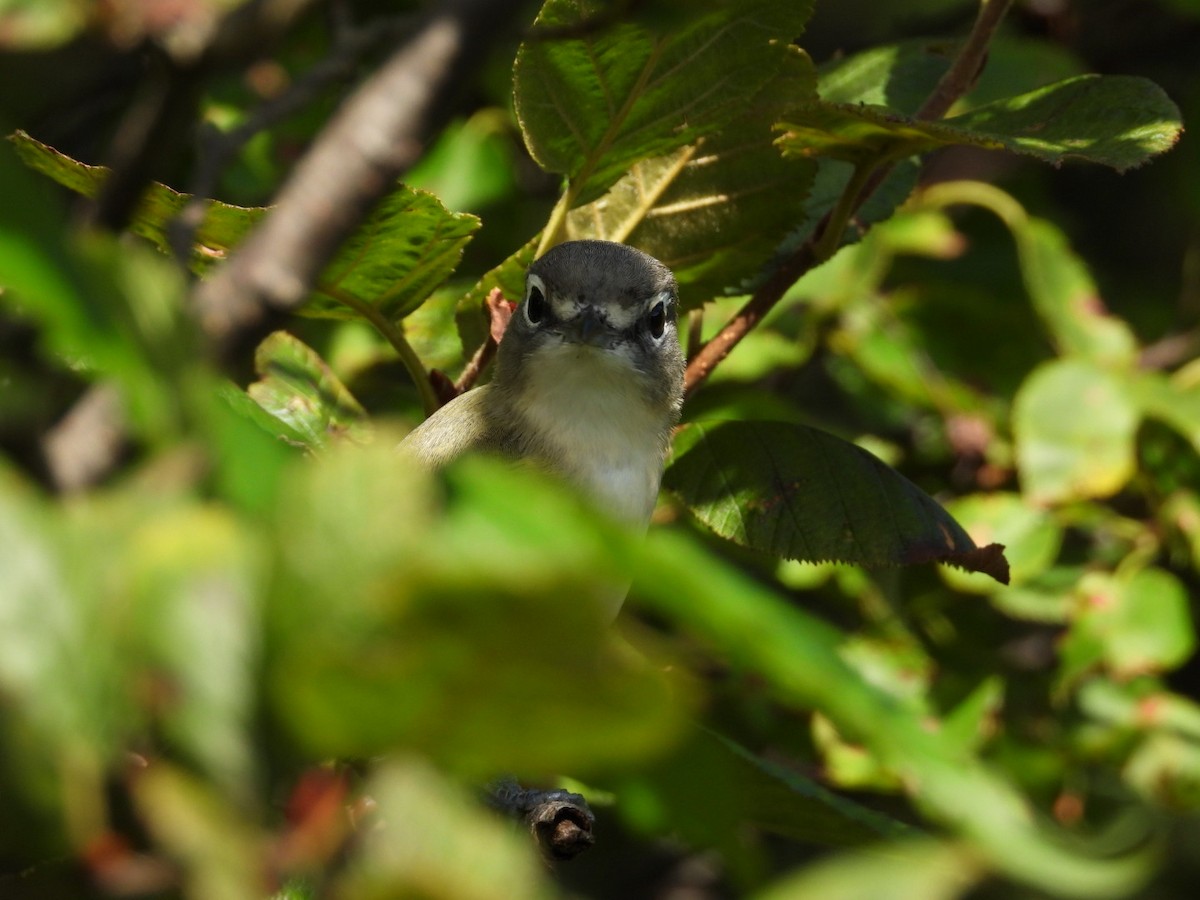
<point x="391" y="612"/>
<point x="916" y="869"/>
<point x="431" y="840"/>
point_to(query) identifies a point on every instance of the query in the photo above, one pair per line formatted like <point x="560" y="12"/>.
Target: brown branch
<point x="378" y="133"/>
<point x="957" y="81"/>
<point x="1170" y="351"/>
<point x="968" y="63"/>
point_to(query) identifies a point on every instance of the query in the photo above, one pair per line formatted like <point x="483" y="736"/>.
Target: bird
<point x="588" y="381"/>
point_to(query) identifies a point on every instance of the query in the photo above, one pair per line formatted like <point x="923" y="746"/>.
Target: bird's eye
<point x="535" y="305"/>
<point x="656" y="319"/>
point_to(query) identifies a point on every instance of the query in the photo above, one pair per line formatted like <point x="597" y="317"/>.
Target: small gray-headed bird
<point x="588" y="380"/>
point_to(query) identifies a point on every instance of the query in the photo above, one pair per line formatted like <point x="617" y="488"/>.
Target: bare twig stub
<point x="560" y="822"/>
<point x="379" y="132"/>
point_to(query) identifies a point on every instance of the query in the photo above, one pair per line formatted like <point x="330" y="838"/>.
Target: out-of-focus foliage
<point x="264" y="655"/>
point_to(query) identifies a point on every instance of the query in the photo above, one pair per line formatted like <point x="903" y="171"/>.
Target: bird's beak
<point x="591" y="328"/>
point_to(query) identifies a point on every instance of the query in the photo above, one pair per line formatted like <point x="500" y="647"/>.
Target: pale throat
<point x="587" y="407"/>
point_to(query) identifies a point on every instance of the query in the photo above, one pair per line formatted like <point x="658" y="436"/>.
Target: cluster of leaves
<point x="263" y="586"/>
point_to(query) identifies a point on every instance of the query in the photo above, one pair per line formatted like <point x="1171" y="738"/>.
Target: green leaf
<point x="408" y="246"/>
<point x="389" y="614"/>
<point x="298" y="388"/>
<point x="797" y="656"/>
<point x="1136" y="623"/>
<point x="1074" y="425"/>
<point x="1115" y="120"/>
<point x="394" y="260"/>
<point x="53" y="664"/>
<point x="800" y="493"/>
<point x="471" y="165"/>
<point x="714" y="211"/>
<point x="1066" y="297"/>
<point x="740" y="789"/>
<point x="223" y="227"/>
<point x="916" y="869"/>
<point x="592" y="106"/>
<point x="195" y="578"/>
<point x="1172" y="401"/>
<point x="784" y="801"/>
<point x="217" y="848"/>
<point x="900" y="76"/>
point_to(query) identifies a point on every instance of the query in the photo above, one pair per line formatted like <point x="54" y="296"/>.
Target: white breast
<point x="588" y="407"/>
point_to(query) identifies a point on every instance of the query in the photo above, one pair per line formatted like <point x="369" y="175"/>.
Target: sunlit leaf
<point x="800" y="493"/>
<point x="408" y="246"/>
<point x="297" y="387"/>
<point x="1115" y="120"/>
<point x="592" y="106"/>
<point x="223" y="227"/>
<point x="713" y="211"/>
<point x="393" y="261"/>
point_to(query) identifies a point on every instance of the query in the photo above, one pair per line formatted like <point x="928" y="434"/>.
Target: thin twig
<point x="957" y="81"/>
<point x="1170" y="351"/>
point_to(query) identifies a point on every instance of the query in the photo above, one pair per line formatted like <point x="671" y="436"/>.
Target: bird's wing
<point x="458" y="427"/>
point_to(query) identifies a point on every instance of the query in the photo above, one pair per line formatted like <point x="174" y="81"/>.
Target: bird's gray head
<point x="605" y="308"/>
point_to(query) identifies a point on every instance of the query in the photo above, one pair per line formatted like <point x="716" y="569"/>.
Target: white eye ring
<point x="535" y="307"/>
